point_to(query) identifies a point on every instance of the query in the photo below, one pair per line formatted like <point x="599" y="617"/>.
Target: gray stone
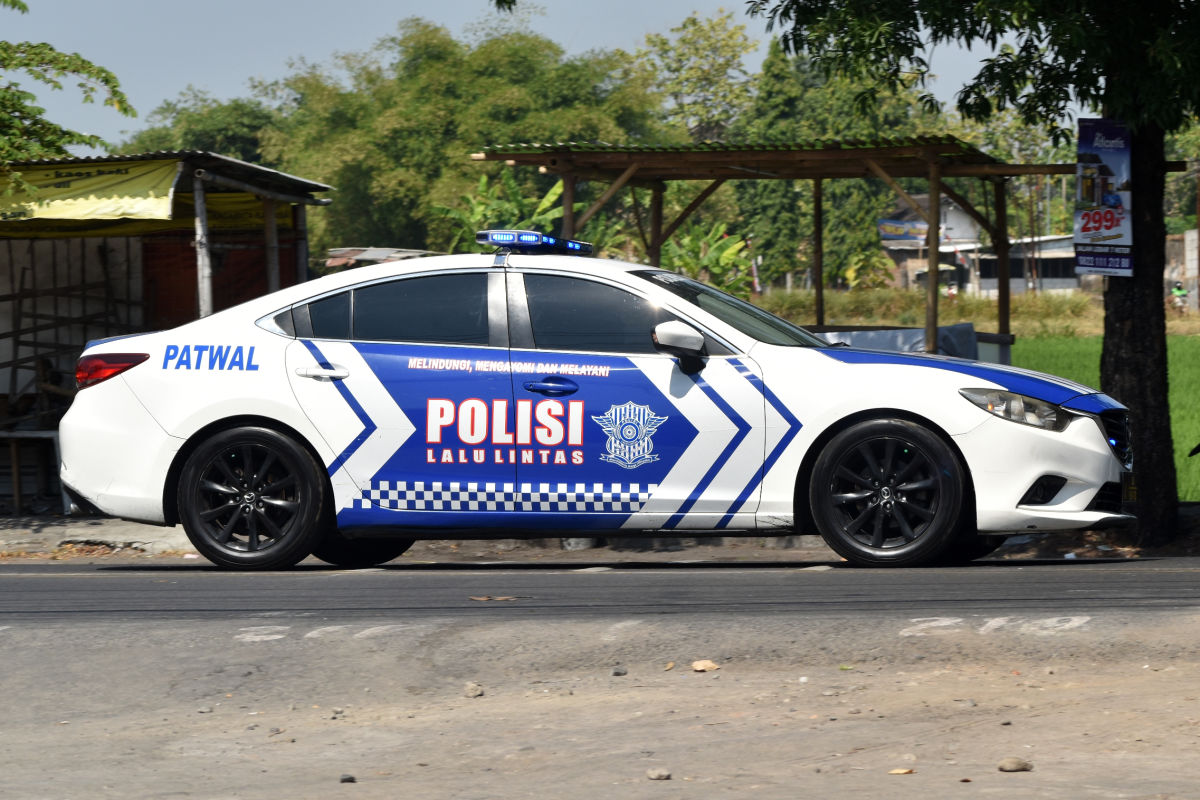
<point x="1014" y="765"/>
<point x="658" y="774"/>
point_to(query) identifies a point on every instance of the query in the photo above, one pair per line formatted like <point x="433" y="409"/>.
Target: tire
<point x="887" y="492"/>
<point x="339" y="551"/>
<point x="252" y="498"/>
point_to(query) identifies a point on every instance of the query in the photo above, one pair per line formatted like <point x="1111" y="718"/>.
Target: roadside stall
<point x="110" y="245"/>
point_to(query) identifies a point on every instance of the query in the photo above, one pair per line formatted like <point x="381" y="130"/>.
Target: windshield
<point x="749" y="319"/>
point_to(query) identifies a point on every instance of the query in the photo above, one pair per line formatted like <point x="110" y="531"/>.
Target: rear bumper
<point x="115" y="457"/>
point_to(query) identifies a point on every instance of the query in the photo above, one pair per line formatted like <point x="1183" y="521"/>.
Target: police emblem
<point x="629" y="428"/>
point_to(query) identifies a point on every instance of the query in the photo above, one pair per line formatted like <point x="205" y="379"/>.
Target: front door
<point x="619" y="436"/>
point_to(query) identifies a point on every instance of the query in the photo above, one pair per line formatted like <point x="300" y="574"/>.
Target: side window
<point x="575" y="314"/>
<point x="447" y="309"/>
<point x="330" y="317"/>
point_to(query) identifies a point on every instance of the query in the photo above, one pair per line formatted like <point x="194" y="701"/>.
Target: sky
<point x="157" y="48"/>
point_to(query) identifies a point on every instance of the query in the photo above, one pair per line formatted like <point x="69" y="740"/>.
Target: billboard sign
<point x="1103" y="184"/>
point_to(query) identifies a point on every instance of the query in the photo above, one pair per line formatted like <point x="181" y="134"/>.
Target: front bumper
<point x="1007" y="458"/>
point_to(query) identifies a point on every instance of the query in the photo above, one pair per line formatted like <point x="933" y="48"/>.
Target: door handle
<point x="553" y="386"/>
<point x="333" y="373"/>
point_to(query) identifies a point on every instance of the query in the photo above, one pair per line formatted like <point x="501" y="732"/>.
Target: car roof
<point x="598" y="267"/>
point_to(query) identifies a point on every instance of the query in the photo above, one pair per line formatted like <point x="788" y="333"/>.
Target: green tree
<point x="25" y="133"/>
<point x="708" y="253"/>
<point x="198" y="121"/>
<point x="1179" y="201"/>
<point x="500" y="203"/>
<point x="392" y="128"/>
<point x="796" y="102"/>
<point x="1061" y="52"/>
<point x="700" y="71"/>
<point x="1038" y="205"/>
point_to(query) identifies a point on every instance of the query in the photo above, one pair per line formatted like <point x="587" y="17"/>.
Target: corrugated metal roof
<point x="908" y="156"/>
<point x="226" y="166"/>
<point x="949" y="143"/>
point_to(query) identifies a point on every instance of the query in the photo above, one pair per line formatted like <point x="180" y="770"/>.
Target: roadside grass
<point x="1079" y="360"/>
<point x="1056" y="333"/>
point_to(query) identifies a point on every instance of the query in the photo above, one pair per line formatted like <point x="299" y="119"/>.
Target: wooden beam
<point x="1000" y="245"/>
<point x="817" y="268"/>
<point x="974" y="213"/>
<point x="897" y="188"/>
<point x="271" y="233"/>
<point x="568" y="205"/>
<point x="608" y="194"/>
<point x="932" y="264"/>
<point x="656" y="223"/>
<point x="705" y="193"/>
<point x="204" y="294"/>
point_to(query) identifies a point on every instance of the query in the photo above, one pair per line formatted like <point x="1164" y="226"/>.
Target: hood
<point x="1050" y="388"/>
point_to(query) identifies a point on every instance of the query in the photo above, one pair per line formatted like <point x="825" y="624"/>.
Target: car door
<point x="408" y="382"/>
<point x="611" y="433"/>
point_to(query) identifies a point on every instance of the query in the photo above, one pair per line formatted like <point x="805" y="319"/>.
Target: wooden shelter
<point x="932" y="158"/>
<point x="118" y="244"/>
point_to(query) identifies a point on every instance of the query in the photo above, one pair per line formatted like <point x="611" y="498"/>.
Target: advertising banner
<point x="893" y="229"/>
<point x="1103" y="227"/>
<point x="93" y="191"/>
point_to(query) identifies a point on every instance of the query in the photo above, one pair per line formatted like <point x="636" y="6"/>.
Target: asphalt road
<point x="166" y="677"/>
<point x="73" y="591"/>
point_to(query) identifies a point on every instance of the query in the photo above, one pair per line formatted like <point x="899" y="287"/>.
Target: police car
<point x="534" y="392"/>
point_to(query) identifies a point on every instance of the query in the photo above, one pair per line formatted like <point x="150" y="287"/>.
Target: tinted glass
<point x="448" y="309"/>
<point x="330" y="317"/>
<point x="574" y="314"/>
<point x="749" y="319"/>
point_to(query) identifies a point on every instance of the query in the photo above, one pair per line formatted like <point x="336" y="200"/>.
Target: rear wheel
<point x="251" y="498"/>
<point x="336" y="549"/>
<point x="887" y="492"/>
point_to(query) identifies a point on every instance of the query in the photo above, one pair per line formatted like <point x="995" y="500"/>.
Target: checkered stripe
<point x="453" y="496"/>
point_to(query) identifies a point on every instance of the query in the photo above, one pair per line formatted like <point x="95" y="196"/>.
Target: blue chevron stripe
<point x="369" y="425"/>
<point x="743" y="430"/>
<point x="794" y="426"/>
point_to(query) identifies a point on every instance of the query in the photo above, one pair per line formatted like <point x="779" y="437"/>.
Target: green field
<point x="1078" y="358"/>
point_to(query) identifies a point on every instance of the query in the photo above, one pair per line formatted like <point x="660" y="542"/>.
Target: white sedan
<point x="533" y="392"/>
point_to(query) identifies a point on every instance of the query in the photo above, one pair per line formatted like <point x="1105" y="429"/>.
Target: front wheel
<point x="887" y="492"/>
<point x="252" y="498"/>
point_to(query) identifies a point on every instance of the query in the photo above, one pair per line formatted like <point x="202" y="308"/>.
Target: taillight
<point x="91" y="370"/>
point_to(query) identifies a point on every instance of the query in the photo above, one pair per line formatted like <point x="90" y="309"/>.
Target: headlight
<point x="1019" y="408"/>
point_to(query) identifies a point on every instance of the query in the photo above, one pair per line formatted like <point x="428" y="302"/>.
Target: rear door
<point x="408" y="382"/>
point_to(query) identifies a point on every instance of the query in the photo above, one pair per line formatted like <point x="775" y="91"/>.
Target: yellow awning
<point x="93" y="191"/>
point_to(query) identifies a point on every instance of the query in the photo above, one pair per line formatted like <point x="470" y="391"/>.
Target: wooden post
<point x="818" y="259"/>
<point x="300" y="225"/>
<point x="271" y="230"/>
<point x="568" y="206"/>
<point x="656" y="226"/>
<point x="1000" y="245"/>
<point x="204" y="296"/>
<point x="933" y="265"/>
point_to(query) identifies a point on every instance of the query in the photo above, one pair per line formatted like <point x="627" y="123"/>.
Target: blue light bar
<point x="532" y="242"/>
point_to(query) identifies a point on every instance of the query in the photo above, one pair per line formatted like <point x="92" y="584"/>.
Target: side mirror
<point x="682" y="341"/>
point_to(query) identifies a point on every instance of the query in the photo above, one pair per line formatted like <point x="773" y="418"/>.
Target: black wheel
<point x="336" y="549"/>
<point x="252" y="498"/>
<point x="887" y="492"/>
